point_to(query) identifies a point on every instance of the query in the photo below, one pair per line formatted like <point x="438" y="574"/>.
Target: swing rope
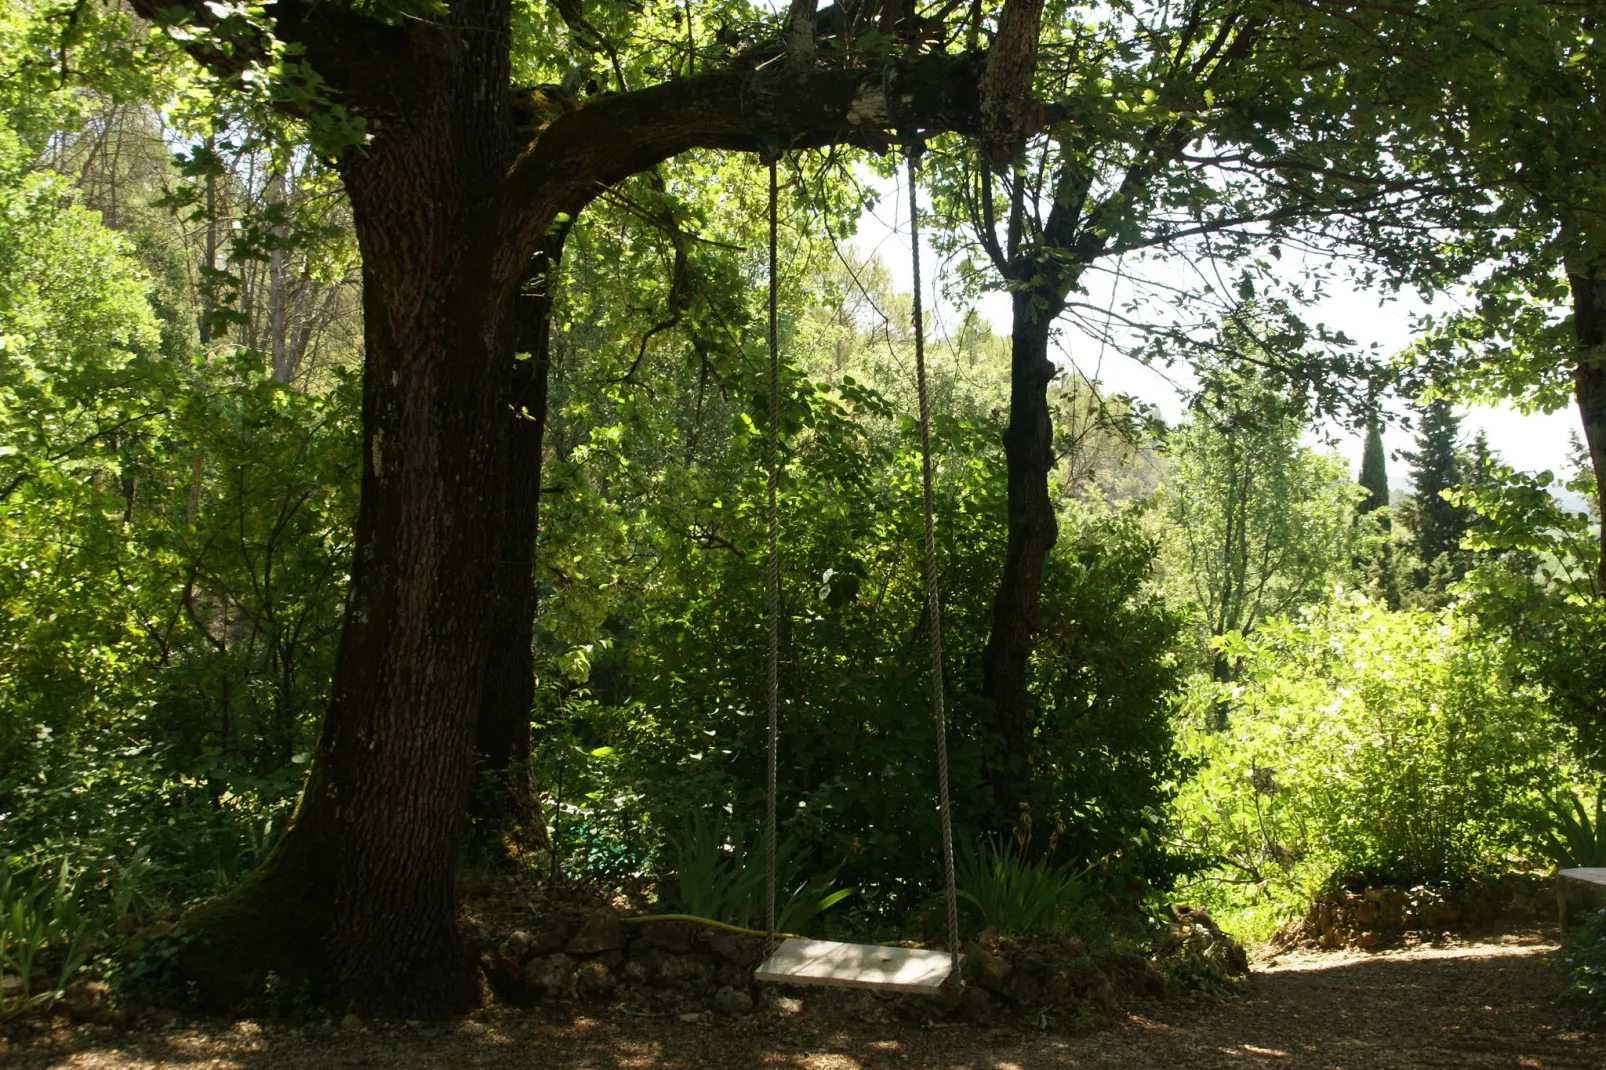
<point x="773" y="665"/>
<point x="933" y="601"/>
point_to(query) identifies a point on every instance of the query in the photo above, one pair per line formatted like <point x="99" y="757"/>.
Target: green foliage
<point x="718" y="876"/>
<point x="1367" y="744"/>
<point x="1016" y="895"/>
<point x="1374" y="477"/>
<point x="1535" y="585"/>
<point x="39" y="927"/>
<point x="1570" y="834"/>
<point x="174" y="535"/>
<point x="1583" y="961"/>
<point x="1259" y="524"/>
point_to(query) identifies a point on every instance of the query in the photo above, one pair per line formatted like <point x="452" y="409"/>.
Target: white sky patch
<point x="1526" y="441"/>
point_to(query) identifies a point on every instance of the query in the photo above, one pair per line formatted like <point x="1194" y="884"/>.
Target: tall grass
<point x="1572" y="836"/>
<point x="1015" y="896"/>
<point x="718" y="876"/>
<point x="39" y="922"/>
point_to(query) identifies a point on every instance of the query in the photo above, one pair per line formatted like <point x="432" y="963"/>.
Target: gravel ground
<point x="1474" y="1004"/>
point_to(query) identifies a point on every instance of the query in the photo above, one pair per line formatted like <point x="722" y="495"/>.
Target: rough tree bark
<point x="450" y="202"/>
<point x="506" y="810"/>
<point x="1032" y="529"/>
<point x="1589" y="379"/>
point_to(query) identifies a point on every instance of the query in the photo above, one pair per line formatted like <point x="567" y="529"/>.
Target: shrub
<point x="676" y="696"/>
<point x="1570" y="835"/>
<point x="718" y="876"/>
<point x="1388" y="746"/>
<point x="1016" y="896"/>
<point x="1583" y="960"/>
<point x="39" y="924"/>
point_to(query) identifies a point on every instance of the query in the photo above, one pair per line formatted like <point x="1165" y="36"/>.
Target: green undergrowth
<point x="1583" y="962"/>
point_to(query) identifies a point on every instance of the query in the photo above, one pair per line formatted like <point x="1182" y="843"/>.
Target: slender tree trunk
<point x="1589" y="383"/>
<point x="280" y="368"/>
<point x="1029" y="453"/>
<point x="506" y="810"/>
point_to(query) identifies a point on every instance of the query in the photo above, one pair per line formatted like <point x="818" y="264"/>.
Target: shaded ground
<point x="1489" y="1003"/>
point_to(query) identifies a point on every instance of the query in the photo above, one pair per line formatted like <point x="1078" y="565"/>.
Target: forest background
<point x="1200" y="658"/>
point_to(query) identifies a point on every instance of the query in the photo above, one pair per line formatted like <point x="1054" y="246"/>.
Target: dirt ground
<point x="1472" y="1004"/>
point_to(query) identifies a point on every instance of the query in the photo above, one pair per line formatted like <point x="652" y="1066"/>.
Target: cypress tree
<point x="1374" y="470"/>
<point x="1437" y="525"/>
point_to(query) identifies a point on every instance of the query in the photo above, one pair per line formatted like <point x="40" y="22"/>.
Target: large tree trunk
<point x="1029" y="454"/>
<point x="357" y="898"/>
<point x="1589" y="383"/>
<point x="506" y="810"/>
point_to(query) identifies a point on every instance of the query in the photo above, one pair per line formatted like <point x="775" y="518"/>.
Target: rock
<point x="603" y="931"/>
<point x="351" y="1023"/>
<point x="636" y="972"/>
<point x="1440" y="915"/>
<point x="976" y="1005"/>
<point x="1367" y="913"/>
<point x="1024" y="989"/>
<point x="736" y="949"/>
<point x="673" y="936"/>
<point x="550" y="975"/>
<point x="992" y="970"/>
<point x="787" y="1007"/>
<point x="1367" y="941"/>
<point x="1086" y="977"/>
<point x="690" y="970"/>
<point x="1032" y="963"/>
<point x="548" y="934"/>
<point x="516" y="948"/>
<point x="732" y="1002"/>
<point x="728" y="973"/>
<point x="691" y="1016"/>
<point x="87" y="1000"/>
<point x="671" y="971"/>
<point x="1152" y="981"/>
<point x="593" y="980"/>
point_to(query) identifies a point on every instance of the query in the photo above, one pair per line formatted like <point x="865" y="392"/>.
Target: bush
<point x="1015" y="895"/>
<point x="1571" y="835"/>
<point x="39" y="925"/>
<point x="718" y="876"/>
<point x="1583" y="960"/>
<point x="675" y="696"/>
<point x="1385" y="746"/>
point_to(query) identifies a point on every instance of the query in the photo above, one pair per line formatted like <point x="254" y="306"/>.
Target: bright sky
<point x="1525" y="441"/>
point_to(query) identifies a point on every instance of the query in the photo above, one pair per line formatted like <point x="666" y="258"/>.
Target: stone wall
<point x="683" y="968"/>
<point x="1373" y="917"/>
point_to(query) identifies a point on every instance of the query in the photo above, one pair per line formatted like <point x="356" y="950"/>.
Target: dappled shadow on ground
<point x="1486" y="1004"/>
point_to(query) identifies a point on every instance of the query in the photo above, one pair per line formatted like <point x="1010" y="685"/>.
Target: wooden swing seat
<point x="828" y="963"/>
